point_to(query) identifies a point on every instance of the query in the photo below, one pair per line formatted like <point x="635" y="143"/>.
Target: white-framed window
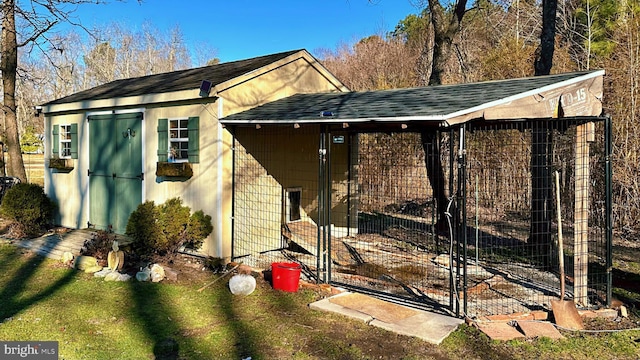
<point x="65" y="142"/>
<point x="178" y="140"/>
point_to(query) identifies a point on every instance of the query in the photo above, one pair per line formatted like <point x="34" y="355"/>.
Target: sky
<point x="241" y="29"/>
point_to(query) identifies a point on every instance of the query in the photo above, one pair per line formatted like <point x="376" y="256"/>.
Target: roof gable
<point x="173" y="81"/>
<point x="535" y="97"/>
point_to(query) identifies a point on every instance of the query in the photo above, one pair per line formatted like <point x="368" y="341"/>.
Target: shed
<point x="312" y="163"/>
<point x="156" y="137"/>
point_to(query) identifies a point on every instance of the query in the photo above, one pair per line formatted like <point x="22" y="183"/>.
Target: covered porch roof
<point x="577" y="94"/>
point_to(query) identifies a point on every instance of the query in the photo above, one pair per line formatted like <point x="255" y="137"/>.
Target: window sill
<point x="178" y="170"/>
<point x="61" y="164"/>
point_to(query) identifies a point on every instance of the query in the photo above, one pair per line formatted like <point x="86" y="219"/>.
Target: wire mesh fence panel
<point x="275" y="187"/>
<point x="424" y="219"/>
<point x="511" y="222"/>
<point x="395" y="249"/>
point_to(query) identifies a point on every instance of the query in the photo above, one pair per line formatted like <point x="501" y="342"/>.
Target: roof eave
<point x="329" y="120"/>
<point x="481" y="110"/>
<point x="122" y="102"/>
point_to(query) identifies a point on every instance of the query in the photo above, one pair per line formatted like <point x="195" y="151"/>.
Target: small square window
<point x="65" y="142"/>
<point x="178" y="140"/>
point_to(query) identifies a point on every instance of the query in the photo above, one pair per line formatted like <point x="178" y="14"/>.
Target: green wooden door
<point x="115" y="169"/>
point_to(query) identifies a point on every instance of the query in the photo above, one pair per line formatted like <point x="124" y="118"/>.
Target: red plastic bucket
<point x="285" y="276"/>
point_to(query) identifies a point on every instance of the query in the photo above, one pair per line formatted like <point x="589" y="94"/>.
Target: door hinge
<point x="88" y="172"/>
<point x="141" y="176"/>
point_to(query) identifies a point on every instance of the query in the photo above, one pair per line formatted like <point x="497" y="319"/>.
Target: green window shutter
<point x="55" y="145"/>
<point x="163" y="139"/>
<point x="74" y="141"/>
<point x="194" y="139"/>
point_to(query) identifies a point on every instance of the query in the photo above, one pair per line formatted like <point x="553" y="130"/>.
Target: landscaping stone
<point x="170" y="274"/>
<point x="93" y="269"/>
<point x="245" y="269"/>
<point x="102" y="273"/>
<point x="143" y="275"/>
<point x="157" y="273"/>
<point x="500" y="331"/>
<point x="67" y="257"/>
<point x="116" y="276"/>
<point x="85" y="262"/>
<point x="609" y="314"/>
<point x="112" y="276"/>
<point x="242" y="284"/>
<point x="535" y="329"/>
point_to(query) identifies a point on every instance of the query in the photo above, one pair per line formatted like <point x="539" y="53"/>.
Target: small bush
<point x="99" y="245"/>
<point x="161" y="230"/>
<point x="29" y="207"/>
<point x="199" y="228"/>
<point x="143" y="229"/>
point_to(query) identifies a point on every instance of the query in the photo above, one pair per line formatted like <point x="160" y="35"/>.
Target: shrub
<point x="29" y="207"/>
<point x="199" y="228"/>
<point x="161" y="230"/>
<point x="143" y="228"/>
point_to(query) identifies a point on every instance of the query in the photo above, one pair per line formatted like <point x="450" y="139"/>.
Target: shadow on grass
<point x="626" y="287"/>
<point x="243" y="338"/>
<point x="157" y="316"/>
<point x="13" y="296"/>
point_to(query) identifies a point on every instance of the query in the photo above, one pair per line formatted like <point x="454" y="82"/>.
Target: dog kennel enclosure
<point x="440" y="197"/>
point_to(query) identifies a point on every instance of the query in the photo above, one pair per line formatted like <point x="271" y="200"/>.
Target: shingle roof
<point x="425" y="103"/>
<point x="173" y="81"/>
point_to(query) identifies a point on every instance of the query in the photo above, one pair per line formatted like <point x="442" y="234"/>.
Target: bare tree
<point x="373" y="63"/>
<point x="445" y="26"/>
<point x="544" y="56"/>
<point x="22" y="27"/>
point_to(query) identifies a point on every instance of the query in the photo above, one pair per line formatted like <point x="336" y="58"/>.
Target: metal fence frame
<point x="316" y="248"/>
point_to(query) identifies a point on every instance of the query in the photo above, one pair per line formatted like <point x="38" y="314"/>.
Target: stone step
<point x="55" y="245"/>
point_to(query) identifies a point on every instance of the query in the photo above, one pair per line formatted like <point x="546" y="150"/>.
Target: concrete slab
<point x="500" y="331"/>
<point x="378" y="309"/>
<point x="422" y="324"/>
<point x="327" y="305"/>
<point x="427" y="326"/>
<point x="535" y="329"/>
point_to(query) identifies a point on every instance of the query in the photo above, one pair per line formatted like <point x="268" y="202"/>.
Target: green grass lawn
<point x="41" y="300"/>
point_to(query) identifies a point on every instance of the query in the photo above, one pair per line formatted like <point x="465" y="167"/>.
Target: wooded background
<point x="494" y="40"/>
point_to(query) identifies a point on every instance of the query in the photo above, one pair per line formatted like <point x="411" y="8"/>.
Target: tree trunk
<point x="435" y="172"/>
<point x="544" y="54"/>
<point x="9" y="61"/>
<point x="444" y="30"/>
<point x="541" y="147"/>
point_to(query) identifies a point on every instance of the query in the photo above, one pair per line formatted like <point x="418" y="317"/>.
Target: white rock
<point x="242" y="284"/>
<point x="123" y="277"/>
<point x="67" y="257"/>
<point x="143" y="275"/>
<point x="85" y="262"/>
<point x="102" y="273"/>
<point x="112" y="276"/>
<point x="93" y="269"/>
<point x="157" y="273"/>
